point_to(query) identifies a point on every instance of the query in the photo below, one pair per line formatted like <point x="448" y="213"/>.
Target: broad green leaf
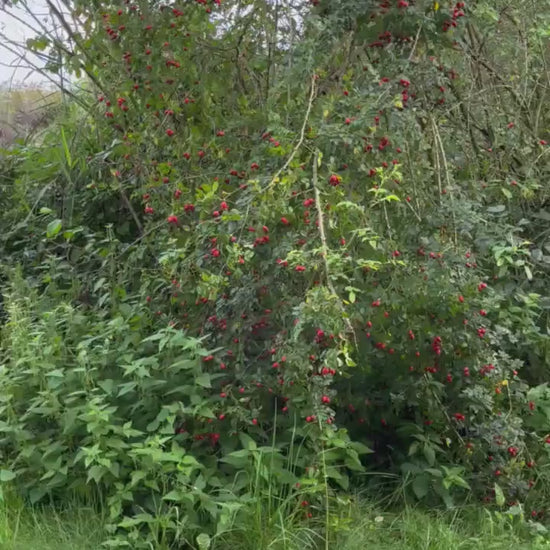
<point x="421" y="486"/>
<point x="54" y="227"/>
<point x="429" y="454"/>
<point x="247" y="442"/>
<point x="6" y="475"/>
<point x="203" y="380"/>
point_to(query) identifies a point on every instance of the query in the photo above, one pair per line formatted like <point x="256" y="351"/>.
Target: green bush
<point x="212" y="289"/>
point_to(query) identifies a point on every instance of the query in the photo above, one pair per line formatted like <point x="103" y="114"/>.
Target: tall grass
<point x="357" y="525"/>
<point x="46" y="528"/>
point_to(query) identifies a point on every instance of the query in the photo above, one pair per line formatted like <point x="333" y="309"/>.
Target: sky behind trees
<point x="16" y="71"/>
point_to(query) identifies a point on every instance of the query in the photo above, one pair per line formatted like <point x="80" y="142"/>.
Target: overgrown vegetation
<point x="271" y="247"/>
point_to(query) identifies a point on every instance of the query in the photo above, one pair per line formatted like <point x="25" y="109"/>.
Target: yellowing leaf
<point x="436" y="6"/>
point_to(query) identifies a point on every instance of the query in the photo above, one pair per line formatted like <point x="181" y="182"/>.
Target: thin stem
<point x="447" y="179"/>
<point x="302" y="133"/>
<point x="415" y="43"/>
<point x="324" y="246"/>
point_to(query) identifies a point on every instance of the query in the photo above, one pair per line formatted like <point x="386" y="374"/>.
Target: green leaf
<point x="429" y="454"/>
<point x="507" y="193"/>
<point x="96" y="473"/>
<point x="239" y="459"/>
<point x="409" y="467"/>
<point x="203" y="380"/>
<point x="38" y="43"/>
<point x="203" y="541"/>
<point x="54" y="227"/>
<point x="36" y="494"/>
<point x="66" y="150"/>
<point x="460" y="482"/>
<point x="56" y="373"/>
<point x="421" y="486"/>
<point x="174" y="496"/>
<point x="247" y="442"/>
<point x="360" y="448"/>
<point x="499" y="496"/>
<point x="6" y="475"/>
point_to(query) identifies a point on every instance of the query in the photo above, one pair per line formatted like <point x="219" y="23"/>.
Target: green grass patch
<point x="463" y="529"/>
<point x="50" y="529"/>
<point x="357" y="527"/>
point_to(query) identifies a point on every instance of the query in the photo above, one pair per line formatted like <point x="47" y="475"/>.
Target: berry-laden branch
<point x="324" y="246"/>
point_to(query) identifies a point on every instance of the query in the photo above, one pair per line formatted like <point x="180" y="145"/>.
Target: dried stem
<point x="302" y="133"/>
<point x="324" y="246"/>
<point x="447" y="177"/>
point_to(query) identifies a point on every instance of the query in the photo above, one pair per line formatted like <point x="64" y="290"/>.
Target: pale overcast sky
<point x="17" y="31"/>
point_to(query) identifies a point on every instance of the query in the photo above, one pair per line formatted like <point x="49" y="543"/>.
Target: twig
<point x="35" y="67"/>
<point x="437" y="166"/>
<point x="302" y="134"/>
<point x="24" y="222"/>
<point x="447" y="178"/>
<point x="443" y="409"/>
<point x="140" y="238"/>
<point x="417" y="215"/>
<point x="415" y="42"/>
<point x="324" y="246"/>
<point x="131" y="209"/>
<point x="81" y="47"/>
<point x="388" y="225"/>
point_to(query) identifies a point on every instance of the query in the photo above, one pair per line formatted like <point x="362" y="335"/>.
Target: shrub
<point x="260" y="285"/>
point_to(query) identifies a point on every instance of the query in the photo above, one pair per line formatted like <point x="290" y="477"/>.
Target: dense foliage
<point x="274" y="245"/>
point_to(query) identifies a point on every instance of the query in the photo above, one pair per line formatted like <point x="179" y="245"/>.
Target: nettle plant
<point x="289" y="286"/>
